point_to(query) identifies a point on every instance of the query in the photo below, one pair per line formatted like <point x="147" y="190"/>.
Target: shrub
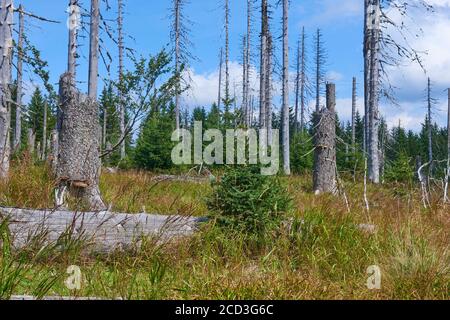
<point x="247" y="201"/>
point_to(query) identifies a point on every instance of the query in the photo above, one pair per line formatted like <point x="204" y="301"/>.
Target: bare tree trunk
<point x="354" y="114"/>
<point x="177" y="61"/>
<point x="269" y="69"/>
<point x="286" y="115"/>
<point x="374" y="163"/>
<point x="6" y="45"/>
<point x="93" y="50"/>
<point x="105" y="126"/>
<point x="227" y="50"/>
<point x="44" y="132"/>
<point x="244" y="82"/>
<point x="219" y="95"/>
<point x="31" y="140"/>
<point x="263" y="65"/>
<point x="18" y="128"/>
<point x="325" y="146"/>
<point x="318" y="75"/>
<point x="79" y="163"/>
<point x="303" y="83"/>
<point x="73" y="30"/>
<point x="121" y="101"/>
<point x="367" y="73"/>
<point x="248" y="63"/>
<point x="54" y="147"/>
<point x="446" y="195"/>
<point x="430" y="124"/>
<point x="297" y="87"/>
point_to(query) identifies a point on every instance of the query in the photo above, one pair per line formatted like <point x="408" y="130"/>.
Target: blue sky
<point x="147" y="22"/>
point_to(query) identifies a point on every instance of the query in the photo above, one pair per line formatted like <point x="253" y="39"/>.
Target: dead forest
<point x="88" y="176"/>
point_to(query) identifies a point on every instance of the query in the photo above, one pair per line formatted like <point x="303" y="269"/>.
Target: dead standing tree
<point x="79" y="162"/>
<point x="18" y="127"/>
<point x="324" y="176"/>
<point x="121" y="100"/>
<point x="6" y="45"/>
<point x="182" y="47"/>
<point x="286" y="112"/>
<point x="446" y="196"/>
<point x="263" y="65"/>
<point x="382" y="50"/>
<point x="301" y="83"/>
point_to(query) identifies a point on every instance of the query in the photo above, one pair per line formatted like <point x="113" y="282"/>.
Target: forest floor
<point x="326" y="257"/>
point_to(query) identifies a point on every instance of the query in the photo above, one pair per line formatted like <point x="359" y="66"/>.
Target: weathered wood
<point x="121" y="62"/>
<point x="94" y="50"/>
<point x="100" y="231"/>
<point x="325" y="146"/>
<point x="6" y="45"/>
<point x="286" y="113"/>
<point x="19" y="90"/>
<point x="74" y="24"/>
<point x="31" y="140"/>
<point x="78" y="156"/>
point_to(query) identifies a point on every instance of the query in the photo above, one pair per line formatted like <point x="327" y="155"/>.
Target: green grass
<point x="323" y="255"/>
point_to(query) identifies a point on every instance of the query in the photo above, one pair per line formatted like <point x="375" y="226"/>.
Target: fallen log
<point x="100" y="231"/>
<point x="190" y="179"/>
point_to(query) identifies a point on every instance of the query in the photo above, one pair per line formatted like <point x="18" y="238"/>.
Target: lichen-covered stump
<point x="325" y="146"/>
<point x="78" y="163"/>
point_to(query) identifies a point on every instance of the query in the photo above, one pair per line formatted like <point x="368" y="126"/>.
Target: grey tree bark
<point x="263" y="66"/>
<point x="248" y="63"/>
<point x="54" y="150"/>
<point x="227" y="50"/>
<point x="318" y="71"/>
<point x="44" y="133"/>
<point x="31" y="140"/>
<point x="429" y="123"/>
<point x="18" y="128"/>
<point x="121" y="102"/>
<point x="73" y="33"/>
<point x="6" y="23"/>
<point x="177" y="60"/>
<point x="219" y="94"/>
<point x="374" y="161"/>
<point x="324" y="176"/>
<point x="354" y="113"/>
<point x="268" y="87"/>
<point x="366" y="54"/>
<point x="79" y="163"/>
<point x="93" y="50"/>
<point x="446" y="195"/>
<point x="244" y="106"/>
<point x="303" y="83"/>
<point x="297" y="87"/>
<point x="286" y="115"/>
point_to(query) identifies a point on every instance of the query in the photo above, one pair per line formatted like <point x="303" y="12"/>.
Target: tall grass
<point x="320" y="254"/>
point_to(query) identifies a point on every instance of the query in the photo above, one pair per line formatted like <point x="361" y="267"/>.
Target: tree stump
<point x="79" y="165"/>
<point x="325" y="146"/>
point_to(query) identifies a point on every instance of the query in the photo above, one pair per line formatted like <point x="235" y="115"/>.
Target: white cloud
<point x="329" y="11"/>
<point x="410" y="78"/>
<point x="204" y="86"/>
